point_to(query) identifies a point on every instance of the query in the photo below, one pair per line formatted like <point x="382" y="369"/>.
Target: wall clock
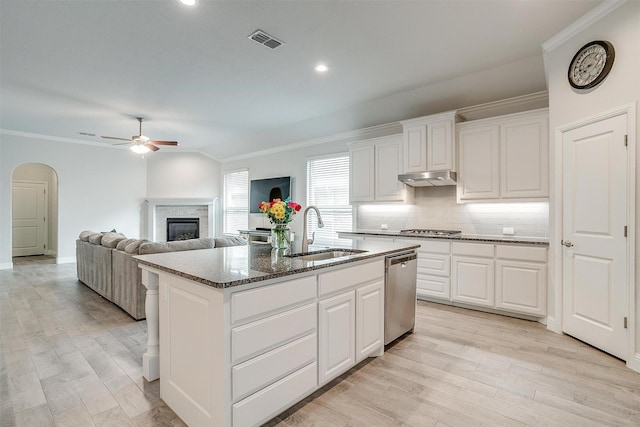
<point x="591" y="64"/>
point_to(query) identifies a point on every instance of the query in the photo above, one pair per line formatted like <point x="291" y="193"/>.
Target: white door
<point x="29" y="217"/>
<point x="370" y="319"/>
<point x="595" y="248"/>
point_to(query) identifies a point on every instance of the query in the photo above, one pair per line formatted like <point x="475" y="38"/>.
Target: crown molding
<point x="349" y="136"/>
<point x="532" y="101"/>
<point x="579" y="25"/>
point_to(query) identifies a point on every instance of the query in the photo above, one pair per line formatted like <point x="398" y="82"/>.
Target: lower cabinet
<point x="506" y="277"/>
<point x="337" y="326"/>
<point x="434" y="268"/>
<point x="240" y="356"/>
<point x="473" y="273"/>
<point x="350" y="318"/>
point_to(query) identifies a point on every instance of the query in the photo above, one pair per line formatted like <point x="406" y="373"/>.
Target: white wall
<point x="622" y="28"/>
<point x="288" y="163"/>
<point x="436" y="208"/>
<point x="98" y="189"/>
<point x="182" y="175"/>
<point x="40" y="172"/>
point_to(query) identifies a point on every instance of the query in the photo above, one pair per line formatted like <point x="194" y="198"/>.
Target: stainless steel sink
<point x="326" y="254"/>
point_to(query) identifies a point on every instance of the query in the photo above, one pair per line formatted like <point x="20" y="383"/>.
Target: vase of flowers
<point x="280" y="214"/>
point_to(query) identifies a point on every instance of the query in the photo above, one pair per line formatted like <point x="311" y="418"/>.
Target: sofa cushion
<point x="123" y="243"/>
<point x="95" y="238"/>
<point x="221" y="242"/>
<point x="134" y="246"/>
<point x="175" y="246"/>
<point x="84" y="236"/>
<point x="111" y="240"/>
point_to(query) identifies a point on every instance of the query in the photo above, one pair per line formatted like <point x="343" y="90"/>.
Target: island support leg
<point x="151" y="359"/>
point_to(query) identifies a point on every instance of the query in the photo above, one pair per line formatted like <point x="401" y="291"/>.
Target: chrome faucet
<point x="306" y="242"/>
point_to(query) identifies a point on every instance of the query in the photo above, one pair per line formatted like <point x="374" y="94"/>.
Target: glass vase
<point x="281" y="237"/>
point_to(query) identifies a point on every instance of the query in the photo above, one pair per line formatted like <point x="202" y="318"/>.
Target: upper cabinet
<point x="504" y="158"/>
<point x="429" y="143"/>
<point x="374" y="166"/>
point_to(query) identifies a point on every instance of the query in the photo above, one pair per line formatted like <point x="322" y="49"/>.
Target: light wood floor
<point x="70" y="358"/>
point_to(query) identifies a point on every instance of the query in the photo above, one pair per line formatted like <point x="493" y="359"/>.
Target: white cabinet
<point x="434" y="268"/>
<point x="337" y="339"/>
<point x="521" y="279"/>
<point x="504" y="158"/>
<point x="370" y="319"/>
<point x="361" y="170"/>
<point x="473" y="273"/>
<point x="351" y="318"/>
<point x="524" y="157"/>
<point x="478" y="176"/>
<point x="374" y="166"/>
<point x="429" y="143"/>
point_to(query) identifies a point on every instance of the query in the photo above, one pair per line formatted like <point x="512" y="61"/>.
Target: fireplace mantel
<point x="150" y="207"/>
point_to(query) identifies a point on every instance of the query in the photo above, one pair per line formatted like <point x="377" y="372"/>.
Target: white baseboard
<point x="66" y="260"/>
<point x="6" y="266"/>
<point x="634" y="363"/>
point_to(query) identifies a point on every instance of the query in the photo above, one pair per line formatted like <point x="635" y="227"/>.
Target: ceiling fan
<point x="142" y="144"/>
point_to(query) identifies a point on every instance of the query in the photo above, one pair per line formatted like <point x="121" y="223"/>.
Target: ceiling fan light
<point x="139" y="149"/>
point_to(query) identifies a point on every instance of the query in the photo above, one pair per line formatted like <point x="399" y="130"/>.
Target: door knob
<point x="566" y="243"/>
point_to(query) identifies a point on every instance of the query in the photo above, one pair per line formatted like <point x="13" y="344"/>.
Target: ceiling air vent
<point x="265" y="39"/>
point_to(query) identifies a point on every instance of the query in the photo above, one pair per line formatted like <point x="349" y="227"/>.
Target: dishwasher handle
<point x="400" y="259"/>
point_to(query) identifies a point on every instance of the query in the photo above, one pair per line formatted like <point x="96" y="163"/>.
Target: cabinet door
<point x="524" y="157"/>
<point x="415" y="148"/>
<point x="388" y="158"/>
<point x="440" y="147"/>
<point x="433" y="286"/>
<point x="361" y="170"/>
<point x="336" y="329"/>
<point x="369" y="319"/>
<point x="521" y="286"/>
<point x="478" y="162"/>
<point x="473" y="280"/>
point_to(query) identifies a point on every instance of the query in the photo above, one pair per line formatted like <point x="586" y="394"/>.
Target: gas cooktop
<point x="427" y="232"/>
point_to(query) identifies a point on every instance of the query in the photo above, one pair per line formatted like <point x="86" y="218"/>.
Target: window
<point x="236" y="202"/>
<point x="328" y="189"/>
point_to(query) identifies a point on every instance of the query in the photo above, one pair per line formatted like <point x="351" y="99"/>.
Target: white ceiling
<point x="92" y="66"/>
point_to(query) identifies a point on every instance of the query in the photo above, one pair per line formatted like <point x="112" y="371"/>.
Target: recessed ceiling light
<point x="321" y="68"/>
<point x="188" y="2"/>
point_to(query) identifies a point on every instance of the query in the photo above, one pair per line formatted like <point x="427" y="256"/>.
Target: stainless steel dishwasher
<point x="399" y="294"/>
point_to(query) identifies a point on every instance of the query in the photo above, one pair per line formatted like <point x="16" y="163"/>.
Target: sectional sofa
<point x="105" y="264"/>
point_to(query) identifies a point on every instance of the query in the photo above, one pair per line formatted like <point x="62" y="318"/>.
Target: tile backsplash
<point x="436" y="207"/>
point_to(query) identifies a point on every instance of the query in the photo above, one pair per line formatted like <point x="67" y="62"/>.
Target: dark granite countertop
<point x="541" y="241"/>
<point x="239" y="265"/>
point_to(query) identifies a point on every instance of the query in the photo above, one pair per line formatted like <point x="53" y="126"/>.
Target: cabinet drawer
<point x="437" y="264"/>
<point x="257" y="337"/>
<point x="258" y="302"/>
<point x="347" y="278"/>
<point x="263" y="405"/>
<point x="473" y="249"/>
<point x="524" y="253"/>
<point x="254" y="374"/>
<point x="433" y="286"/>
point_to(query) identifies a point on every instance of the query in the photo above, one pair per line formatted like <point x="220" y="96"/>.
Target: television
<point x="265" y="190"/>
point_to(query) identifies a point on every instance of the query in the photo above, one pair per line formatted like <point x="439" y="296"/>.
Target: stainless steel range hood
<point x="429" y="179"/>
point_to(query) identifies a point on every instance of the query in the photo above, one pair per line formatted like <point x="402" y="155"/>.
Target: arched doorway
<point x="34" y="213"/>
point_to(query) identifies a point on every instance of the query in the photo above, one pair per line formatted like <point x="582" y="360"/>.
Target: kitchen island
<point x="246" y="332"/>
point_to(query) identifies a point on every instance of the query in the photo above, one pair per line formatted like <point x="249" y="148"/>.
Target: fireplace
<point x="183" y="228"/>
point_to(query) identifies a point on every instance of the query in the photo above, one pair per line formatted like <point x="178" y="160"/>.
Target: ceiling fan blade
<point x="123" y="143"/>
<point x="151" y="146"/>
<point x="114" y="137"/>
<point x="174" y="143"/>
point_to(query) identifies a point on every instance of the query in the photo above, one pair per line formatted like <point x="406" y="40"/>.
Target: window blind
<point x="328" y="189"/>
<point x="236" y="202"/>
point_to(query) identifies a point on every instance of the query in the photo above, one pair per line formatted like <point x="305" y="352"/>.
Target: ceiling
<point x="92" y="66"/>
